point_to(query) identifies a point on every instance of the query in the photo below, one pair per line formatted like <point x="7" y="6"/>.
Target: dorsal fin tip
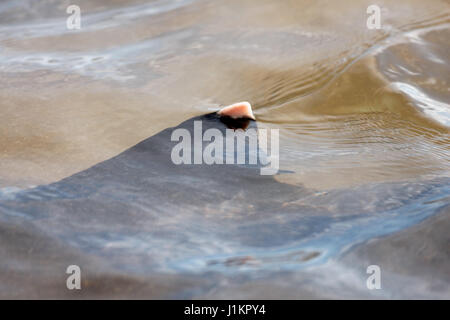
<point x="238" y="110"/>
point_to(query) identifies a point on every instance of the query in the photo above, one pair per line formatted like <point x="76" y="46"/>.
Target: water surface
<point x="364" y="122"/>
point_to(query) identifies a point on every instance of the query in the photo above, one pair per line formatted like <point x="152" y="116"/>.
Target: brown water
<point x="356" y="108"/>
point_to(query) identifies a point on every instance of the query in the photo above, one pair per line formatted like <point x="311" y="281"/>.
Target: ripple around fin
<point x="290" y="87"/>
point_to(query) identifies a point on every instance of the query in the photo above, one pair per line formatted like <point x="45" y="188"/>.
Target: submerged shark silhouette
<point x="142" y="190"/>
<point x="139" y="206"/>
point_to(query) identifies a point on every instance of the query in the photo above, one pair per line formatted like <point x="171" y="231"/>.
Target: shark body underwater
<point x="142" y="213"/>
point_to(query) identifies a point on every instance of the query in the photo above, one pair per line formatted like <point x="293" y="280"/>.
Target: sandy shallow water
<point x="364" y="120"/>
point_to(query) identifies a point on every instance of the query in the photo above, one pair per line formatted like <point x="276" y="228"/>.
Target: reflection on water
<point x="364" y="136"/>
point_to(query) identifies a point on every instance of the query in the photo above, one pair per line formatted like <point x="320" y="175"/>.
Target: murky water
<point x="364" y="121"/>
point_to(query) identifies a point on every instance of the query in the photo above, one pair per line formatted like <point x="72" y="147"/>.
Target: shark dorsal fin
<point x="237" y="111"/>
